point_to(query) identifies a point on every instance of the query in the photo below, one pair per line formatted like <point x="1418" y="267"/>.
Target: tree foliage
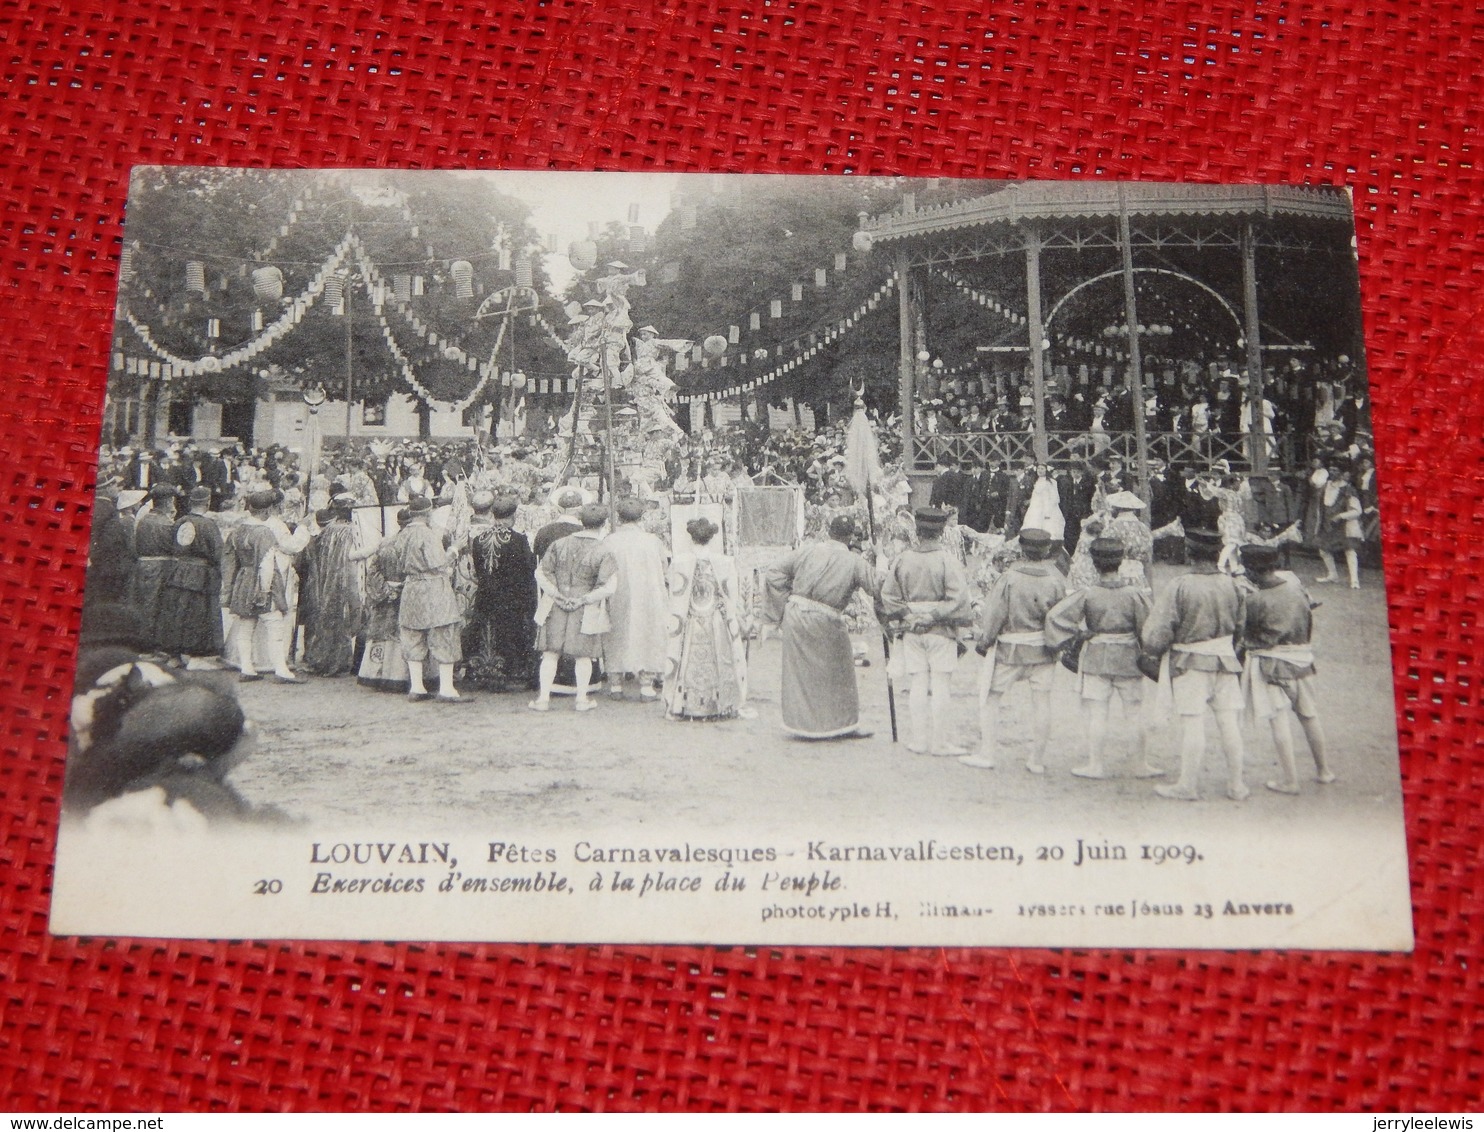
<point x="412" y="224"/>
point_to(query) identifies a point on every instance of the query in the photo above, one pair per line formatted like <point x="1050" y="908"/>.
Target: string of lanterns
<point x="991" y="303"/>
<point x="734" y="332"/>
<point x="833" y="334"/>
<point x="294" y="314"/>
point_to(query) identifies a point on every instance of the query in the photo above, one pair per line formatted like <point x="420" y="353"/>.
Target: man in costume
<point x="154" y="546"/>
<point x="190" y="620"/>
<point x="111" y="545"/>
<point x="570" y="501"/>
<point x="500" y="637"/>
<point x="576" y="578"/>
<point x="334" y="592"/>
<point x="429" y="617"/>
<point x="1012" y="640"/>
<point x="638" y="640"/>
<point x="807" y="592"/>
<point x="1193" y="626"/>
<point x="1106" y="619"/>
<point x="383" y="666"/>
<point x="927" y="593"/>
<point x="1278" y="675"/>
<point x="256" y="590"/>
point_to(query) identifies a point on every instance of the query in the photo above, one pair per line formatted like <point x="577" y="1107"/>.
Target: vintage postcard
<point x="735" y="559"/>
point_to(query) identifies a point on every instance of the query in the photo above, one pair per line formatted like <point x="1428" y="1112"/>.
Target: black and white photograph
<point x="663" y="557"/>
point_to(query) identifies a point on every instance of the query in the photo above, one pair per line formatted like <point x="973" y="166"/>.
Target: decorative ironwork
<point x="1067" y="448"/>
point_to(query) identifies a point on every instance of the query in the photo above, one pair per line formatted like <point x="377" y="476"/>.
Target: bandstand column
<point x="1037" y="336"/>
<point x="1258" y="422"/>
<point x="1135" y="355"/>
<point x="906" y="362"/>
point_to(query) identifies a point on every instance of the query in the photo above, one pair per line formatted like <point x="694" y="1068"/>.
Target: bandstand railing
<point x="1066" y="448"/>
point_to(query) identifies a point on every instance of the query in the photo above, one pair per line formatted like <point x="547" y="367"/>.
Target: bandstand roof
<point x="1070" y="202"/>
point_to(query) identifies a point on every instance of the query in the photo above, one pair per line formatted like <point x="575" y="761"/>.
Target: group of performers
<point x="1209" y="642"/>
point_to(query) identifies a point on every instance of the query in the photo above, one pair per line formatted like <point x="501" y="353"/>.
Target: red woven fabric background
<point x="1381" y="96"/>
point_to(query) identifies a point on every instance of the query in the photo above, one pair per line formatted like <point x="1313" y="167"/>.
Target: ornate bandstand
<point x="1260" y="261"/>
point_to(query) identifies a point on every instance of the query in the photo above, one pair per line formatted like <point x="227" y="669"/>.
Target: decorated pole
<point x="1037" y="338"/>
<point x="608" y="464"/>
<point x="1258" y="423"/>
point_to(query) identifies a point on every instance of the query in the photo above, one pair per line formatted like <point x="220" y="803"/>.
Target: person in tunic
<point x="926" y="594"/>
<point x="111" y="546"/>
<point x="500" y="637"/>
<point x="1012" y="640"/>
<point x="154" y="548"/>
<point x="383" y="666"/>
<point x="1278" y="673"/>
<point x="428" y="618"/>
<point x="637" y="642"/>
<point x="334" y="592"/>
<point x="706" y="658"/>
<point x="807" y="592"/>
<point x="576" y="579"/>
<point x="569" y="501"/>
<point x="190" y="621"/>
<point x="1192" y="630"/>
<point x="255" y="590"/>
<point x="1106" y="618"/>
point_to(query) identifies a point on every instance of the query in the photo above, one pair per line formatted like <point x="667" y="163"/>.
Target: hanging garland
<point x="990" y="303"/>
<point x="833" y="334"/>
<point x="291" y="317"/>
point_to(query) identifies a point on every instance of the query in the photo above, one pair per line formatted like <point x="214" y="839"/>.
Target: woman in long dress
<point x="706" y="664"/>
<point x="1044" y="510"/>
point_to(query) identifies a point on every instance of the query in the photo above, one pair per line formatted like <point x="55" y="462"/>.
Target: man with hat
<point x="111" y="545"/>
<point x="576" y="578"/>
<point x="189" y="619"/>
<point x="1012" y="640"/>
<point x="154" y="545"/>
<point x="429" y="617"/>
<point x="257" y="590"/>
<point x="926" y="593"/>
<point x="807" y="592"/>
<point x="1075" y="489"/>
<point x="1192" y="630"/>
<point x="500" y="635"/>
<point x="1278" y="674"/>
<point x="1127" y="526"/>
<point x="334" y="593"/>
<point x="1107" y="618"/>
<point x="569" y="501"/>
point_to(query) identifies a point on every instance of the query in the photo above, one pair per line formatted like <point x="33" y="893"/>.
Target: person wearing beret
<point x="429" y="619"/>
<point x="1012" y="640"/>
<point x="111" y="545"/>
<point x="154" y="546"/>
<point x="189" y="623"/>
<point x="1278" y="673"/>
<point x="1106" y="617"/>
<point x="334" y="592"/>
<point x="257" y="589"/>
<point x="926" y="594"/>
<point x="1192" y="632"/>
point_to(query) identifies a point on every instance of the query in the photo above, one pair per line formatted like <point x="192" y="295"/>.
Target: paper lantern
<point x="862" y="241"/>
<point x="335" y="291"/>
<point x="463" y="278"/>
<point x="267" y="284"/>
<point x="924" y="356"/>
<point x="452" y="353"/>
<point x="582" y="254"/>
<point x="524" y="276"/>
<point x="715" y="345"/>
<point x="210" y="364"/>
